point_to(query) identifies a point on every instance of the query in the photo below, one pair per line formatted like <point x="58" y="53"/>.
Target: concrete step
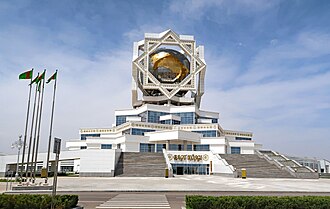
<point x="255" y="166"/>
<point x="141" y="164"/>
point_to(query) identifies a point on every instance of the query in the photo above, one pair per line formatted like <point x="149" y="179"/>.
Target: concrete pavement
<point x="187" y="184"/>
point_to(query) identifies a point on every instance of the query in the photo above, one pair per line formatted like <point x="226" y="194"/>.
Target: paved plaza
<point x="156" y="192"/>
<point x="188" y="184"/>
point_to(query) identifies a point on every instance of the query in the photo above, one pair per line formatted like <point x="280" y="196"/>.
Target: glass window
<point x="175" y="122"/>
<point x="106" y="146"/>
<point x="160" y="147"/>
<point x="235" y="150"/>
<point x="120" y="120"/>
<point x="242" y="138"/>
<point x="209" y="133"/>
<point x="176" y="147"/>
<point x="84" y="136"/>
<point x="144" y="147"/>
<point x="138" y="131"/>
<point x="189" y="147"/>
<point x="187" y="117"/>
<point x="190" y="169"/>
<point x="66" y="169"/>
<point x="153" y="117"/>
<point x="201" y="147"/>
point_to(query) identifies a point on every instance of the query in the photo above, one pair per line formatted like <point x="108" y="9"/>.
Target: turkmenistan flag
<point x="35" y="80"/>
<point x="42" y="76"/>
<point x="26" y="75"/>
<point x="53" y="77"/>
<point x="38" y="78"/>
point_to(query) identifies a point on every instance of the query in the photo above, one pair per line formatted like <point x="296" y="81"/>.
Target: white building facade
<point x="167" y="86"/>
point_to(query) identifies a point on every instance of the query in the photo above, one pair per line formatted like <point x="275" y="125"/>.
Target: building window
<point x="137" y="131"/>
<point x="120" y="120"/>
<point x="170" y="122"/>
<point x="106" y="146"/>
<point x="144" y="147"/>
<point x="175" y="122"/>
<point x="187" y="117"/>
<point x="166" y="122"/>
<point x="210" y="133"/>
<point x="191" y="169"/>
<point x="83" y="147"/>
<point x="235" y="150"/>
<point x="189" y="147"/>
<point x="160" y="147"/>
<point x="176" y="147"/>
<point x="243" y="138"/>
<point x="84" y="136"/>
<point x="153" y="117"/>
<point x="201" y="147"/>
<point x="65" y="169"/>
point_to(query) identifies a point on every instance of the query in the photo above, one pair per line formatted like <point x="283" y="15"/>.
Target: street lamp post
<point x="17" y="144"/>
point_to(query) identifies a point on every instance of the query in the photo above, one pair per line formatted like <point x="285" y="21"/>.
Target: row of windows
<point x="243" y="138"/>
<point x="84" y="136"/>
<point x="144" y="147"/>
<point x="106" y="146"/>
<point x="209" y="133"/>
<point x="138" y="131"/>
<point x="103" y="146"/>
<point x="153" y="117"/>
<point x="170" y="122"/>
<point x="189" y="169"/>
<point x="176" y="147"/>
<point x="199" y="147"/>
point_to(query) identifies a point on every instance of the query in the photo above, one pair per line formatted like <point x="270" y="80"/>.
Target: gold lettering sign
<point x="193" y="157"/>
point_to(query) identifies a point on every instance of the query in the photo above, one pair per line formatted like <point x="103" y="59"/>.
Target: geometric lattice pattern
<point x="145" y="81"/>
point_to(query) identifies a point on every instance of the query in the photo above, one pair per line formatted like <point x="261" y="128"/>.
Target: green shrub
<point x="36" y="201"/>
<point x="257" y="202"/>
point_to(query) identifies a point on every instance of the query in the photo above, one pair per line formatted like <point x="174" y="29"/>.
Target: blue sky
<point x="268" y="64"/>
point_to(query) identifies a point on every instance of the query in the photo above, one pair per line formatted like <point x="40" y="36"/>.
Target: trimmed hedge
<point x="257" y="202"/>
<point x="37" y="201"/>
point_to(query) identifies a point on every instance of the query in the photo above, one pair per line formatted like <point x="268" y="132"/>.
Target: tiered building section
<point x="168" y="72"/>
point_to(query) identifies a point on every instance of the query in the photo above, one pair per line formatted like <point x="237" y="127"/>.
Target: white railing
<point x="169" y="166"/>
<point x="224" y="161"/>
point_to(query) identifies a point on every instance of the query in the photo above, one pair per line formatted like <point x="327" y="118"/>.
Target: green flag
<point x="26" y="75"/>
<point x="53" y="77"/>
<point x="35" y="80"/>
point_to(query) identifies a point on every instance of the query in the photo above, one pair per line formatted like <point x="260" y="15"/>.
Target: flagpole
<point x="40" y="113"/>
<point x="31" y="132"/>
<point x="34" y="138"/>
<point x="51" y="129"/>
<point x="25" y="131"/>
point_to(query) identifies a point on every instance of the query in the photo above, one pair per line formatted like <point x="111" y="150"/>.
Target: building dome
<point x="168" y="65"/>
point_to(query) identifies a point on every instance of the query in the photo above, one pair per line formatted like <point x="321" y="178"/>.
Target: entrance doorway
<point x="191" y="169"/>
<point x="179" y="171"/>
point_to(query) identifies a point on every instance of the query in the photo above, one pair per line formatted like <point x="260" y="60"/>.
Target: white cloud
<point x="275" y="62"/>
<point x="195" y="9"/>
<point x="89" y="88"/>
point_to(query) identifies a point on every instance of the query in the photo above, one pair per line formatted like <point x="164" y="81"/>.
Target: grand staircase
<point x="255" y="166"/>
<point x="298" y="170"/>
<point x="140" y="164"/>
